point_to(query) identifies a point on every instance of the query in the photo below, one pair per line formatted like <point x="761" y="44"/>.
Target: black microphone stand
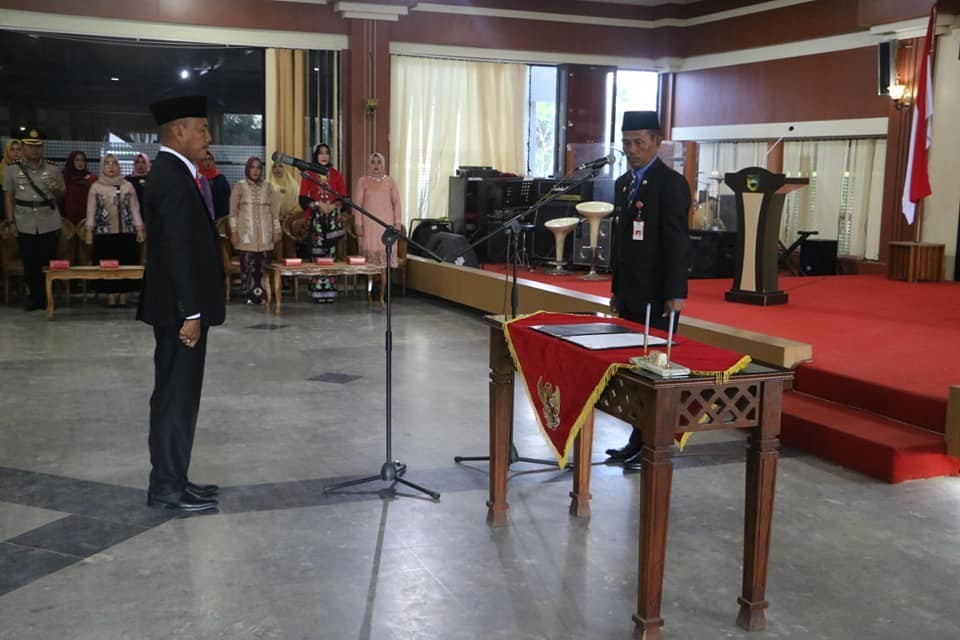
<point x="391" y="471"/>
<point x="511" y="226"/>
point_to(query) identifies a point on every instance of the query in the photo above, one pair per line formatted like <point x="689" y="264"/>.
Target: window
<point x="635" y="91"/>
<point x="542" y="122"/>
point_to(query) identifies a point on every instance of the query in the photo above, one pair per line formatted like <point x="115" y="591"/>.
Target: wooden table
<point x="278" y="270"/>
<point x="125" y="272"/>
<point x="751" y="400"/>
<point x="914" y="261"/>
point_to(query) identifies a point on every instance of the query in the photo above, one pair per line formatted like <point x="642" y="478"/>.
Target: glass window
<point x="542" y="122"/>
<point x="635" y="91"/>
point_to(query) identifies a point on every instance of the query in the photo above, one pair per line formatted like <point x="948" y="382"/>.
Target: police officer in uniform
<point x="31" y="189"/>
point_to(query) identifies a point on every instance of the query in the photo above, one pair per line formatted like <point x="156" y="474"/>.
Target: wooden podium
<point x="759" y="196"/>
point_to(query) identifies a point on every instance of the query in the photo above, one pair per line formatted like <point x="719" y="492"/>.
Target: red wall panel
<point x="830" y="86"/>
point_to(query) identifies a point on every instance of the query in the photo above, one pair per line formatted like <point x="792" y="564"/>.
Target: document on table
<point x="599" y="335"/>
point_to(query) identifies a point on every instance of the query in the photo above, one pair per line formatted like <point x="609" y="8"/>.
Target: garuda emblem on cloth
<point x="550" y="400"/>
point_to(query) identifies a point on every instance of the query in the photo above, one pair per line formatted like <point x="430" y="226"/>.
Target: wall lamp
<point x="900" y="96"/>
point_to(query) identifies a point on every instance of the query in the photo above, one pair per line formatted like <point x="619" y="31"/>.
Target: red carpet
<point x="888" y="347"/>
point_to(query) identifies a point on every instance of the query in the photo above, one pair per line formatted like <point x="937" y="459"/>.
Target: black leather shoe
<point x="181" y="502"/>
<point x="622" y="454"/>
<point x="633" y="463"/>
<point x="202" y="490"/>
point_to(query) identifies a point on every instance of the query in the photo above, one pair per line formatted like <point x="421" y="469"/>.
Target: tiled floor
<point x="290" y="410"/>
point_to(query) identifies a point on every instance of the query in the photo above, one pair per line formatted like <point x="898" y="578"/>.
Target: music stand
<point x="512" y="227"/>
<point x="391" y="471"/>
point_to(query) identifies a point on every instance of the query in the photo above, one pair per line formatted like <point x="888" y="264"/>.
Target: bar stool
<point x="594" y="211"/>
<point x="561" y="228"/>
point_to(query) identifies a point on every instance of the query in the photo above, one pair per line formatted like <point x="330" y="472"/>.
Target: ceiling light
<point x="114" y="79"/>
<point x="184" y="74"/>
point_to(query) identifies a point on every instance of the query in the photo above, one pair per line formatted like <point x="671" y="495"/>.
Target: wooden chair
<point x="294" y="229"/>
<point x="229" y="262"/>
<point x="10" y="263"/>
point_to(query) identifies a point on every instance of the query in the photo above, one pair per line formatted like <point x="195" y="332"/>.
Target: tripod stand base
<point x="514" y="457"/>
<point x="392" y="472"/>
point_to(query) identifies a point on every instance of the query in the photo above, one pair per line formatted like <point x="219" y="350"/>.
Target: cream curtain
<point x="843" y="200"/>
<point x="286" y="102"/>
<point x="450" y="113"/>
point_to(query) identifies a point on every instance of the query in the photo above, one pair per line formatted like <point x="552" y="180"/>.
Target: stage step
<point x="866" y="442"/>
<point x="925" y="411"/>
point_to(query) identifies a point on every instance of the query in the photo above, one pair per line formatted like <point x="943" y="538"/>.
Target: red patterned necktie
<point x="199" y="185"/>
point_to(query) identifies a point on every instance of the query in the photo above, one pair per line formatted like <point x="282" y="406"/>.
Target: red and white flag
<point x="917" y="185"/>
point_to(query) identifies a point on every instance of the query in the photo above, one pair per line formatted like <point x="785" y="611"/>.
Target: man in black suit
<point x="182" y="298"/>
<point x="651" y="240"/>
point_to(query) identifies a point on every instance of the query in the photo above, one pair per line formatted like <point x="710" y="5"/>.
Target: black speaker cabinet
<point x="424" y="229"/>
<point x="712" y="254"/>
<point x="818" y="257"/>
<point x="582" y="254"/>
<point x="453" y="247"/>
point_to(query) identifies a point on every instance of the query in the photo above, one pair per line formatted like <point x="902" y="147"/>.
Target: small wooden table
<point x="124" y="272"/>
<point x="278" y="270"/>
<point x="657" y="406"/>
<point x="913" y="261"/>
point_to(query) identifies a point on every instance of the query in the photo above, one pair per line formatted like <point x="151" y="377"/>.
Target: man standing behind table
<point x="651" y="240"/>
<point x="31" y="189"/>
<point x="182" y="298"/>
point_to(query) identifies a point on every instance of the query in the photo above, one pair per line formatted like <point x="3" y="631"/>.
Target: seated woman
<point x="114" y="227"/>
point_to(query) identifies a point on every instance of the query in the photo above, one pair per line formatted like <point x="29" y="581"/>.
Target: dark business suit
<point x="652" y="270"/>
<point x="183" y="277"/>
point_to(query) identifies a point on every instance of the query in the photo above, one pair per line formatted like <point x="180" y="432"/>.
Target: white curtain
<point x="450" y="113"/>
<point x="843" y="200"/>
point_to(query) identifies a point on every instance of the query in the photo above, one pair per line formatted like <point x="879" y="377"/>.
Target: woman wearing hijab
<point x="377" y="193"/>
<point x="321" y="206"/>
<point x="254" y="227"/>
<point x="77" y="179"/>
<point x="141" y="167"/>
<point x="287" y="188"/>
<point x="11" y="155"/>
<point x="219" y="186"/>
<point x="114" y="227"/>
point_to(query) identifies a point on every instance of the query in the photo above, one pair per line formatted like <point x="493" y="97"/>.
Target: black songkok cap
<point x="172" y="109"/>
<point x="639" y="120"/>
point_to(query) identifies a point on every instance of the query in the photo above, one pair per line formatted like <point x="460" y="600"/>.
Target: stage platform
<point x="875" y="358"/>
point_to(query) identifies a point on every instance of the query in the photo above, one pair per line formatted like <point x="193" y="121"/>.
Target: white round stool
<point x="594" y="211"/>
<point x="561" y="228"/>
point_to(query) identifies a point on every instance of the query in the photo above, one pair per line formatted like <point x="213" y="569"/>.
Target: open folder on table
<point x="599" y="335"/>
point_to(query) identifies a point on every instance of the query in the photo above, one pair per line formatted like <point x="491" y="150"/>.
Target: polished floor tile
<point x="295" y="404"/>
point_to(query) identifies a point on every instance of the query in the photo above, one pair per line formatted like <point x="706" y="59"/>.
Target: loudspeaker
<point x="712" y="254"/>
<point x="452" y="247"/>
<point x="818" y="257"/>
<point x="581" y="244"/>
<point x="425" y="229"/>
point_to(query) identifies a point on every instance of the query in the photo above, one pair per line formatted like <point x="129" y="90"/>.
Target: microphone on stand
<point x="596" y="164"/>
<point x="297" y="163"/>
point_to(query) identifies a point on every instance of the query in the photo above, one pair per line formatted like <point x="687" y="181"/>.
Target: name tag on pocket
<point x="638" y="229"/>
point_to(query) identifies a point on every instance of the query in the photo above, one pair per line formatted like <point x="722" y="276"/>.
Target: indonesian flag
<point x="917" y="185"/>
